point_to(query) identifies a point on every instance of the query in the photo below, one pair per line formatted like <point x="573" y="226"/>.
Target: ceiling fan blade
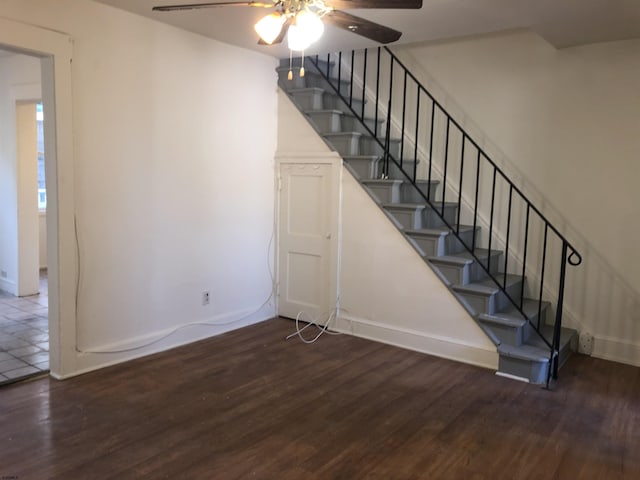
<point x="196" y="6"/>
<point x="361" y="26"/>
<point x="281" y="35"/>
<point x="347" y="4"/>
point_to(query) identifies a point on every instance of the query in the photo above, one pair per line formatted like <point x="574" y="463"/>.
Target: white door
<point x="305" y="240"/>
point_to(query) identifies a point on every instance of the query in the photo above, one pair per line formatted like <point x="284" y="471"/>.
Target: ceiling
<point x="563" y="23"/>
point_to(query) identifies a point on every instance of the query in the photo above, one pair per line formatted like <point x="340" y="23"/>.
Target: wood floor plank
<point x="249" y="404"/>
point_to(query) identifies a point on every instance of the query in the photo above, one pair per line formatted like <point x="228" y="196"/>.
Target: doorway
<point x="307" y="236"/>
<point x="24" y="324"/>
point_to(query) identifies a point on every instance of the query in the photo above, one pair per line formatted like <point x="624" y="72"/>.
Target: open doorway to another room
<point x="24" y="324"/>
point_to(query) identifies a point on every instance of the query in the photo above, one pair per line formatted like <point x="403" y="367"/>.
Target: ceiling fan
<point x="304" y="20"/>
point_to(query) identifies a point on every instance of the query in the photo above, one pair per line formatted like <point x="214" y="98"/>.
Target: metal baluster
<point x="493" y="198"/>
<point x="404" y="108"/>
<point x="328" y="63"/>
<point x="475" y="208"/>
<point x="364" y="80"/>
<point x="377" y="94"/>
<point x="544" y="258"/>
<point x="506" y="249"/>
<point x="557" y="328"/>
<point x="387" y="141"/>
<point x="524" y="257"/>
<point x="446" y="161"/>
<point x="415" y="147"/>
<point x="339" y="73"/>
<point x="433" y="112"/>
<point x="353" y="53"/>
<point x="464" y="137"/>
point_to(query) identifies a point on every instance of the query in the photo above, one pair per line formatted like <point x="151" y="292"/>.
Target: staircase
<point x="419" y="197"/>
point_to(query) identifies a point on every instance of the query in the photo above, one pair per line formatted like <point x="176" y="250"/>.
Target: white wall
<point x="28" y="223"/>
<point x="387" y="293"/>
<point x="564" y="124"/>
<point x="42" y="239"/>
<point x="174" y="142"/>
<point x="19" y="80"/>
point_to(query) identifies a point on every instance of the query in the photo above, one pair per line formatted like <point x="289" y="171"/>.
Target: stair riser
<point x="346" y="145"/>
<point x="315" y="80"/>
<point x="410" y="193"/>
<point x="454" y="245"/>
<point x="326" y="122"/>
<point x="308" y="66"/>
<point x="489" y="303"/>
<point x="567" y="349"/>
<point x="369" y="146"/>
<point x="333" y="102"/>
<point x="462" y="275"/>
<point x="430" y="246"/>
<point x="364" y="168"/>
<point x="309" y="100"/>
<point x="409" y="219"/>
<point x="396" y="173"/>
<point x="439" y="245"/>
<point x="535" y="372"/>
<point x="352" y="124"/>
<point x="431" y="218"/>
<point x="509" y="334"/>
<point x="385" y="193"/>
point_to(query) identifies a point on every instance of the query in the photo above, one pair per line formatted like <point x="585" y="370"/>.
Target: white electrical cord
<point x="323" y="328"/>
<point x="178" y="328"/>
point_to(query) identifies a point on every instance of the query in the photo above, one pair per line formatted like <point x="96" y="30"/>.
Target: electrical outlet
<point x="3" y="273"/>
<point x="206" y="298"/>
<point x="585" y="343"/>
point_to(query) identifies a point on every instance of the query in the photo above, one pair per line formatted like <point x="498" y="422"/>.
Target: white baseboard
<point x="8" y="286"/>
<point x="616" y="350"/>
<point x="444" y="347"/>
<point x="88" y="362"/>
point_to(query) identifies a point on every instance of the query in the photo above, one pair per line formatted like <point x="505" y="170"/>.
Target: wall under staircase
<point x="386" y="295"/>
<point x="522" y="351"/>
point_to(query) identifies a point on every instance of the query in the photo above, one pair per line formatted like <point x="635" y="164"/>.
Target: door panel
<point x="304" y="239"/>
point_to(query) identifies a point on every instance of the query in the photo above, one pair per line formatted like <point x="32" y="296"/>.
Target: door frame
<point x="55" y="52"/>
<point x="335" y="216"/>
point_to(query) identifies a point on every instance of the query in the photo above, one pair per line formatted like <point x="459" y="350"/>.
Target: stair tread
<point x="525" y="352"/>
<point x="463" y="258"/>
<point x="342" y="134"/>
<point x="487" y="285"/>
<point x="381" y="181"/>
<point x="530" y="308"/>
<point x="480" y="252"/>
<point x="425" y="182"/>
<point x="361" y="157"/>
<point x="437" y="230"/>
<point x="566" y="335"/>
<point x="405" y="206"/>
<point x="312" y="72"/>
<point x="423" y="205"/>
<point x="306" y="89"/>
<point x="333" y="111"/>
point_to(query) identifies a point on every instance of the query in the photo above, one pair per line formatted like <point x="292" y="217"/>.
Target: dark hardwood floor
<point x="249" y="404"/>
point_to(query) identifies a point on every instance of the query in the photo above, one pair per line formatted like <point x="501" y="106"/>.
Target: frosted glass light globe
<point x="311" y="24"/>
<point x="269" y="27"/>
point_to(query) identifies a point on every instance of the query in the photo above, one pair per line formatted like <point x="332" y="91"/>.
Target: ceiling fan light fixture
<point x="311" y="24"/>
<point x="269" y="27"/>
<point x="298" y="38"/>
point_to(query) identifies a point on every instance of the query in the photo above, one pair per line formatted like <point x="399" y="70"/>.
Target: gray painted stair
<point x="522" y="351"/>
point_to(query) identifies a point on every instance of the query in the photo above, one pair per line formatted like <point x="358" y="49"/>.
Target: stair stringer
<point x="499" y="235"/>
<point x="385" y="294"/>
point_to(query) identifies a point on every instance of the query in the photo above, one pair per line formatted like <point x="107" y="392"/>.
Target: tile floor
<point x="24" y="334"/>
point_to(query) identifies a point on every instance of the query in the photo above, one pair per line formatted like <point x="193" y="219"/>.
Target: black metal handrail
<point x="395" y="72"/>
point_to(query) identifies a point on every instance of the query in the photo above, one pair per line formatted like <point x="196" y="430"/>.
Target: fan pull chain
<point x="290" y="76"/>
<point x="302" y="65"/>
